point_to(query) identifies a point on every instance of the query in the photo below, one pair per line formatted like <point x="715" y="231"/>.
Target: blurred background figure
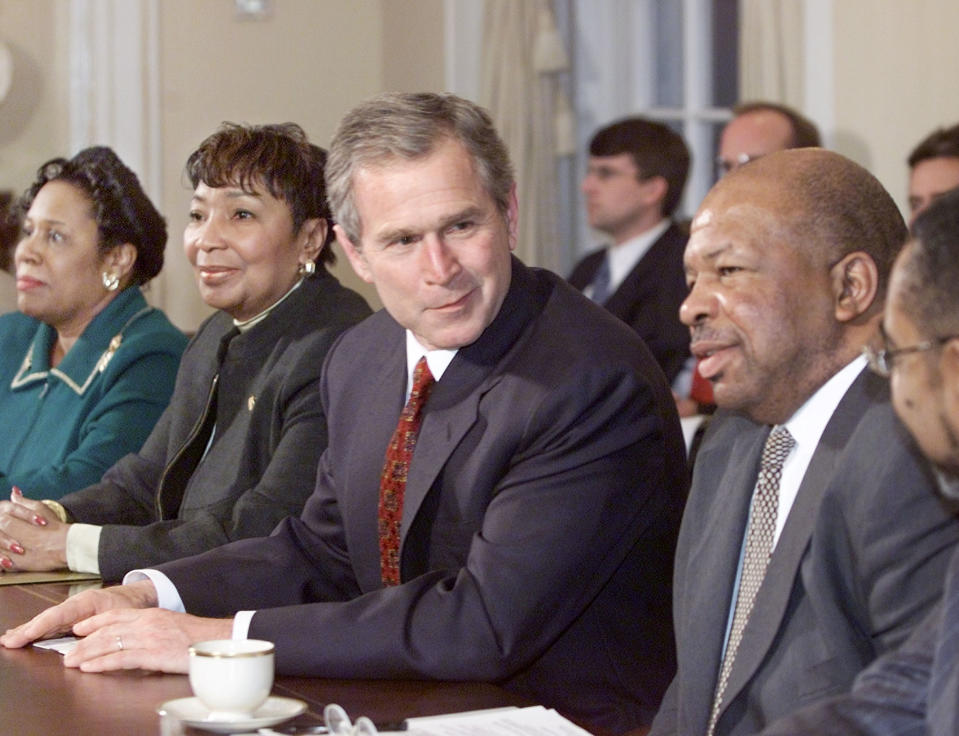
<point x="758" y="128"/>
<point x="238" y="447"/>
<point x="86" y="366"/>
<point x="634" y="181"/>
<point x="8" y="240"/>
<point x="933" y="168"/>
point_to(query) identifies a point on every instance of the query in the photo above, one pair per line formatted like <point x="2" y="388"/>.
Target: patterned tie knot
<point x="778" y="445"/>
<point x="422" y="383"/>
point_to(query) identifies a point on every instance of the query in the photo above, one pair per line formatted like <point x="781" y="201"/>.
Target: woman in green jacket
<point x="86" y="365"/>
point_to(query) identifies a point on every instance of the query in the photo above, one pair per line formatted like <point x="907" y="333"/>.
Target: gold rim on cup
<point x="194" y="652"/>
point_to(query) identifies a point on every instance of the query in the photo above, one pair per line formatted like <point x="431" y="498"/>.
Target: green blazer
<point x="63" y="427"/>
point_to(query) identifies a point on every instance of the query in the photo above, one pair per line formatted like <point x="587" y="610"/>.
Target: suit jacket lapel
<point x="778" y="584"/>
<point x="375" y="420"/>
<point x="712" y="565"/>
<point x="649" y="269"/>
<point x="452" y="407"/>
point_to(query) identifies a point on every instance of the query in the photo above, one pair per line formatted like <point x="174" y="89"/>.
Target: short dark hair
<point x="656" y="149"/>
<point x="122" y="210"/>
<point x="278" y="157"/>
<point x="805" y="134"/>
<point x="941" y="143"/>
<point x="931" y="268"/>
<point x="409" y="126"/>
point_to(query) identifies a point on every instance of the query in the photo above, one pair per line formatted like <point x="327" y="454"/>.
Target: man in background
<point x="635" y="177"/>
<point x="933" y="168"/>
<point x="759" y="128"/>
<point x="915" y="690"/>
<point x="812" y="541"/>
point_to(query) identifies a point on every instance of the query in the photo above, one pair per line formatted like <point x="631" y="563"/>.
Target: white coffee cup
<point x="231" y="677"/>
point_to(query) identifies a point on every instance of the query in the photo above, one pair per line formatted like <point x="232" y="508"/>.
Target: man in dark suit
<point x="636" y="174"/>
<point x="812" y="541"/>
<point x="915" y="689"/>
<point x="529" y="541"/>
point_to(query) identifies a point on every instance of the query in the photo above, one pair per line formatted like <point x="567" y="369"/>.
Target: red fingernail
<point x="39" y="520"/>
<point x="16" y="492"/>
<point x="16" y="548"/>
<point x="6" y="562"/>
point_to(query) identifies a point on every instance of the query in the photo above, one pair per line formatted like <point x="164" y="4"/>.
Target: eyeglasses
<point x="881" y="360"/>
<point x="725" y="165"/>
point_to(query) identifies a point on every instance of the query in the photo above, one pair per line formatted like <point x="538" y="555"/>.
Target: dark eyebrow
<point x="231" y="193"/>
<point x="717" y="251"/>
<point x="473" y="212"/>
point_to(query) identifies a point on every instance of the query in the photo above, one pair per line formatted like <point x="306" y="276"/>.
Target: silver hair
<point x="410" y="126"/>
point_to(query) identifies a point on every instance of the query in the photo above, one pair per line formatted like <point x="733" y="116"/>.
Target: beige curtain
<point x="770" y="51"/>
<point x="519" y="86"/>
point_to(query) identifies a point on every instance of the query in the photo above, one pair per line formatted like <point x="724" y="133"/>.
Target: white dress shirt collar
<point x="437" y="360"/>
<point x="624" y="257"/>
<point x="806" y="426"/>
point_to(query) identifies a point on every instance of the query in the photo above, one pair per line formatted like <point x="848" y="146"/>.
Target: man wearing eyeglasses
<point x="759" y="128"/>
<point x="633" y="184"/>
<point x="915" y="690"/>
<point x="812" y="541"/>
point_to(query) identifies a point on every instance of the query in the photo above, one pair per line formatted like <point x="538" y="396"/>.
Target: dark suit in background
<point x="648" y="298"/>
<point x="539" y="520"/>
<point x="860" y="562"/>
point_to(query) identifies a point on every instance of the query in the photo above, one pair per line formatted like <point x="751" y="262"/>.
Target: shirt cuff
<point x="241" y="624"/>
<point x="167" y="595"/>
<point x="83" y="548"/>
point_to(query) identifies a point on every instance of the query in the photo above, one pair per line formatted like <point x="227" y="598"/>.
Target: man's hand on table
<point x="31" y="536"/>
<point x="118" y="633"/>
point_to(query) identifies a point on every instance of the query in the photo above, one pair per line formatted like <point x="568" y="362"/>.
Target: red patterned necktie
<point x="397" y="465"/>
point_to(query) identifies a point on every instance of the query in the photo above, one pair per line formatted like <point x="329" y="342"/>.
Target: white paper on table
<point x="61" y="645"/>
<point x="534" y="720"/>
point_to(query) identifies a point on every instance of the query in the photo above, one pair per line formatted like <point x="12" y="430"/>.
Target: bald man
<point x="812" y="540"/>
<point x="759" y="128"/>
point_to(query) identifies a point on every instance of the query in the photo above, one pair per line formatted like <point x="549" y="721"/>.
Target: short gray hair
<point x="410" y="126"/>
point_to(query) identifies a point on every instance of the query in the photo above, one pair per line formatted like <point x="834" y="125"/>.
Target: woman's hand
<point x="31" y="535"/>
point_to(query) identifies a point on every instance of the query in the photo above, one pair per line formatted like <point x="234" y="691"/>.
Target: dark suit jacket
<point x="270" y="431"/>
<point x="913" y="691"/>
<point x="860" y="561"/>
<point x="538" y="528"/>
<point x="648" y="299"/>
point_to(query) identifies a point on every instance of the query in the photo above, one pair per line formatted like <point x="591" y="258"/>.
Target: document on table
<point x="534" y="720"/>
<point x="62" y="645"/>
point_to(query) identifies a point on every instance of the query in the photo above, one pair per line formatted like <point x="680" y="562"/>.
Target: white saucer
<point x="191" y="712"/>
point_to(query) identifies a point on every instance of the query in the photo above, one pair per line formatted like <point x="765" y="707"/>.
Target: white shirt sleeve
<point x="167" y="595"/>
<point x="169" y="598"/>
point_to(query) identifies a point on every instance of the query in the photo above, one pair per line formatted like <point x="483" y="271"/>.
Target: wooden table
<point x="39" y="696"/>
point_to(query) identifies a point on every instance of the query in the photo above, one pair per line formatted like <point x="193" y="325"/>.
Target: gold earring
<point x="308" y="268"/>
<point x="111" y="280"/>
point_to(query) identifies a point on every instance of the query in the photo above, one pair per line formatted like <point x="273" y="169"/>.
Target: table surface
<point x="38" y="695"/>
